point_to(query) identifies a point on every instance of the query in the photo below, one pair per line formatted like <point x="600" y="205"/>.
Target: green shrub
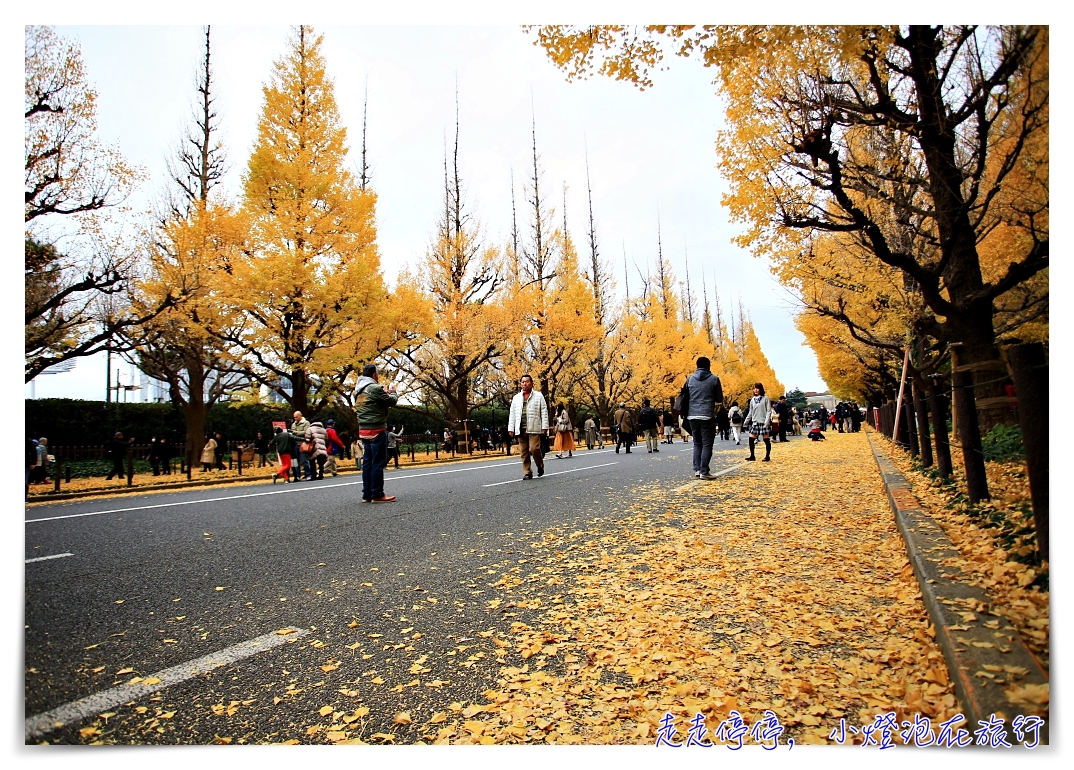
<point x="1003" y="443"/>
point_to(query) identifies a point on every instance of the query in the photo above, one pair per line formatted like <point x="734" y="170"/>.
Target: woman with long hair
<point x="564" y="433"/>
<point x="759" y="421"/>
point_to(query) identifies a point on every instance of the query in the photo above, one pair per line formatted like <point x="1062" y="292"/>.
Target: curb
<point x="971" y="650"/>
<point x="50" y="497"/>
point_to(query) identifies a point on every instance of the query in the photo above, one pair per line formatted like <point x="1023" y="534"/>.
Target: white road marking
<point x="46" y="558"/>
<point x="262" y="494"/>
<point x="75" y="711"/>
<point x="557" y="473"/>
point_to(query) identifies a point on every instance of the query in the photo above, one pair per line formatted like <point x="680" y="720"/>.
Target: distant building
<point x="827" y="400"/>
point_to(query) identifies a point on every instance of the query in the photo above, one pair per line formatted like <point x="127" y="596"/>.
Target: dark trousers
<point x="704" y="433"/>
<point x="624" y="438"/>
<point x="321" y="460"/>
<point x="376" y="457"/>
<point x="117" y="468"/>
<point x="782" y="430"/>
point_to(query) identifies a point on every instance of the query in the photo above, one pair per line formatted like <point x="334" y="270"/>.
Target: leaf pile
<point x="754" y="592"/>
<point x="996" y="539"/>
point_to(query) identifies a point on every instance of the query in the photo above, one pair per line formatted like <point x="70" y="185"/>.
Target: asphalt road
<point x="160" y="580"/>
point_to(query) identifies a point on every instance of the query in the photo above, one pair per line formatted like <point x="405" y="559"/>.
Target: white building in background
<point x="827" y="400"/>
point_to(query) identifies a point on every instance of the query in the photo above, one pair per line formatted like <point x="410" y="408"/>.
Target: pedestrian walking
<point x="298" y="433"/>
<point x="623" y="420"/>
<point x="155" y="451"/>
<point x="528" y="420"/>
<point x="117" y="451"/>
<point x="372" y="402"/>
<point x="649" y="420"/>
<point x="335" y="445"/>
<point x="734" y="414"/>
<point x="759" y="421"/>
<point x="564" y="433"/>
<point x="702" y="392"/>
<point x="357" y="452"/>
<point x="282" y="442"/>
<point x="166" y="455"/>
<point x="723" y="424"/>
<point x="208" y="454"/>
<point x="591" y="433"/>
<point x="261" y="448"/>
<point x="31" y="462"/>
<point x="318" y="438"/>
<point x="667" y="419"/>
<point x="218" y="457"/>
<point x="40" y="474"/>
<point x="394" y="437"/>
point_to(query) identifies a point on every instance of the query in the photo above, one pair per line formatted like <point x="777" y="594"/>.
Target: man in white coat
<point x="528" y="420"/>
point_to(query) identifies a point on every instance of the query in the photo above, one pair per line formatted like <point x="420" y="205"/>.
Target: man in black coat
<point x="783" y="409"/>
<point x="117" y="452"/>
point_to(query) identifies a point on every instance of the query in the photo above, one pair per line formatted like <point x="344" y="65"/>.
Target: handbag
<point x="306" y="447"/>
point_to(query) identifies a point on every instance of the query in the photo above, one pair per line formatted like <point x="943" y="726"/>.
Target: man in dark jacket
<point x="705" y="393"/>
<point x="371" y="405"/>
<point x="117" y="451"/>
<point x="783" y="409"/>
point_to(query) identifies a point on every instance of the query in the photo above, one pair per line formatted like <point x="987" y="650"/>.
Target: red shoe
<point x="384" y="499"/>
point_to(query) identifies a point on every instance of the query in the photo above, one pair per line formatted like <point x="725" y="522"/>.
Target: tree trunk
<point x="910" y="423"/>
<point x="922" y="426"/>
<point x="1031" y="383"/>
<point x="969" y="434"/>
<point x="938" y="413"/>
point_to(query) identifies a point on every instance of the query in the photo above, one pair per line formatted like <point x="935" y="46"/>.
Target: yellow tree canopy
<point x="310" y="287"/>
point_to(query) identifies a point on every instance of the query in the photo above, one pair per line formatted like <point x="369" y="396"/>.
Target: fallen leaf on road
<point x="325" y="711"/>
<point x="402" y="718"/>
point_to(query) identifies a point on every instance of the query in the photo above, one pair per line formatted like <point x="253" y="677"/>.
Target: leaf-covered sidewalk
<point x="783" y="586"/>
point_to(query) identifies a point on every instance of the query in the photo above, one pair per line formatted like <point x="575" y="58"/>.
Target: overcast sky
<point x="651" y="153"/>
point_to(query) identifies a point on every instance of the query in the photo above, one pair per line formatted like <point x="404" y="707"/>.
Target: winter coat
<point x="705" y="392"/>
<point x="316" y="433"/>
<point x="759" y="410"/>
<point x="371" y="404"/>
<point x="623" y="419"/>
<point x="536" y="413"/>
<point x="282" y="443"/>
<point x="563" y="423"/>
<point x="299" y="428"/>
<point x="208" y="454"/>
<point x="335" y="446"/>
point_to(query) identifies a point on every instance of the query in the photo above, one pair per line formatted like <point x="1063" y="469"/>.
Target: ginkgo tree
<point x="463" y="278"/>
<point x="310" y="288"/>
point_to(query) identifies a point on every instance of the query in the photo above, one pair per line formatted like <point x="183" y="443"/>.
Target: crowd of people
<point x="306" y="450"/>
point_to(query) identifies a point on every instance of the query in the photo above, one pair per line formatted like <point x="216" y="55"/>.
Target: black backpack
<point x="648" y="418"/>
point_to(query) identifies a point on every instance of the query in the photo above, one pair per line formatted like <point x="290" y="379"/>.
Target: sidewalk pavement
<point x="986" y="658"/>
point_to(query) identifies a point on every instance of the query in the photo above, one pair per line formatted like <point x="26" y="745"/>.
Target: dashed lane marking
<point x="46" y="558"/>
<point x="557" y="473"/>
<point x="76" y="711"/>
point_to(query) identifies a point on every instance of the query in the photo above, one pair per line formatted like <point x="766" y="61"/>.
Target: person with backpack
<point x="623" y="421"/>
<point x="734" y="414"/>
<point x="336" y="447"/>
<point x="698" y="398"/>
<point x="649" y="420"/>
<point x="759" y="421"/>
